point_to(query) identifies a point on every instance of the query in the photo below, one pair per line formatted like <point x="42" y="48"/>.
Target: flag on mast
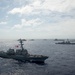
<point x="17" y="46"/>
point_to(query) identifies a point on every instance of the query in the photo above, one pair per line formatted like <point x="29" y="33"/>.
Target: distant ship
<point x="31" y="39"/>
<point x="45" y="39"/>
<point x="22" y="55"/>
<point x="66" y="42"/>
<point x="58" y="39"/>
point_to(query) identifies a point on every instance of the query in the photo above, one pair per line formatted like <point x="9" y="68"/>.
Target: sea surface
<point x="61" y="59"/>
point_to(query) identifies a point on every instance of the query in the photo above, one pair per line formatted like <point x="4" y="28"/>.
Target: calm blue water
<point x="61" y="59"/>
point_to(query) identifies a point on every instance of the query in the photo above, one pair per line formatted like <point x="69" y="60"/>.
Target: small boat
<point x="22" y="55"/>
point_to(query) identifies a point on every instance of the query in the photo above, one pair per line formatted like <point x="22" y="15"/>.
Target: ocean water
<point x="61" y="59"/>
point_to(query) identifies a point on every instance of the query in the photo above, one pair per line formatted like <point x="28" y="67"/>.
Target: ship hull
<point x="30" y="58"/>
<point x="37" y="58"/>
<point x="66" y="43"/>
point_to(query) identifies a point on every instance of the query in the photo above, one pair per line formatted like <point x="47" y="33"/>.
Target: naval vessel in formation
<point x="67" y="42"/>
<point x="22" y="54"/>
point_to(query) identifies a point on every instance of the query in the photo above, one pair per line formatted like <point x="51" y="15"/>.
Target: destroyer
<point x="22" y="54"/>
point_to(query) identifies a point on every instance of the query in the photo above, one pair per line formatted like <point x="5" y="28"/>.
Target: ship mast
<point x="21" y="43"/>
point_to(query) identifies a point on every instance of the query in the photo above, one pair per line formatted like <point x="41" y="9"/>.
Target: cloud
<point x="27" y="9"/>
<point x="39" y="18"/>
<point x="63" y="29"/>
<point x="23" y="10"/>
<point x="3" y="22"/>
<point x="46" y="5"/>
<point x="59" y="5"/>
<point x="27" y="24"/>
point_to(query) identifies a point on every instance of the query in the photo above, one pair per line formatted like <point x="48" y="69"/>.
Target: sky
<point x="37" y="19"/>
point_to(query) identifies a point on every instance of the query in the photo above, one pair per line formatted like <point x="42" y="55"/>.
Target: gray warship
<point x="67" y="42"/>
<point x="22" y="54"/>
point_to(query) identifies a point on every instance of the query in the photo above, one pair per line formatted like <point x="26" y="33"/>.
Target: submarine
<point x="22" y="54"/>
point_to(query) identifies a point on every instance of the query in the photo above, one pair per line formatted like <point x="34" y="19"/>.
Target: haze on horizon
<point x="37" y="19"/>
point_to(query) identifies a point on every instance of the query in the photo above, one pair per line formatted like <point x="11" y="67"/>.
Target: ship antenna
<point x="21" y="43"/>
